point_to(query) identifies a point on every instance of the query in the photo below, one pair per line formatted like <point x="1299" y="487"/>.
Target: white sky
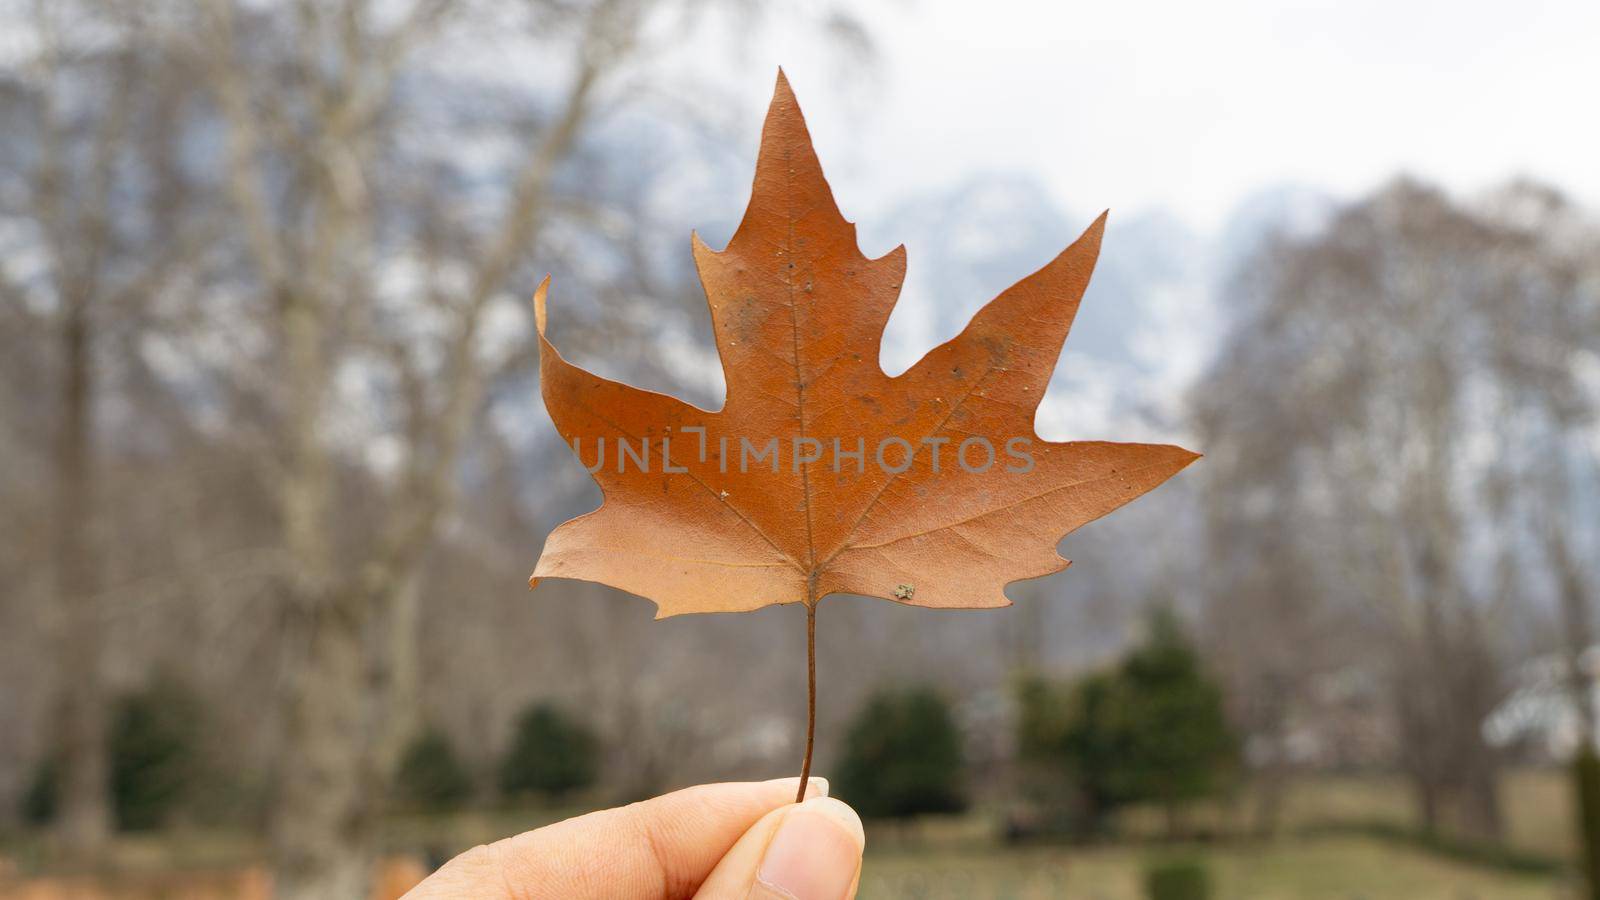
<point x="1191" y="104"/>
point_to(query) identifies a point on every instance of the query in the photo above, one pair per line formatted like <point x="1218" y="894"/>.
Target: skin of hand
<point x="715" y="841"/>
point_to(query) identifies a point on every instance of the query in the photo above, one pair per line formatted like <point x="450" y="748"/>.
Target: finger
<point x="663" y="847"/>
<point x="807" y="852"/>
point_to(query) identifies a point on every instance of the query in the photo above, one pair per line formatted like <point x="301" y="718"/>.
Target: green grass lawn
<point x="1328" y="850"/>
<point x="1537" y="804"/>
<point x="1322" y="855"/>
<point x="1325" y="868"/>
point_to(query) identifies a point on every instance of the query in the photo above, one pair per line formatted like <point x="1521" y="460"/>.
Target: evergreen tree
<point x="902" y="757"/>
<point x="43" y="797"/>
<point x="552" y="754"/>
<point x="1179" y="744"/>
<point x="431" y="776"/>
<point x="155" y="754"/>
<point x="1151" y="730"/>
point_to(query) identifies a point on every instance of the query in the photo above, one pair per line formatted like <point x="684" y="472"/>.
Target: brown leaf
<point x="799" y="315"/>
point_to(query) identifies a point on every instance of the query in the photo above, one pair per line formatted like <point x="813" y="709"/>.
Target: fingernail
<point x="815" y="854"/>
<point x="816" y="785"/>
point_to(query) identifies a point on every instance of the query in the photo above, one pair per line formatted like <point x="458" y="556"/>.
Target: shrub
<point x="1180" y="743"/>
<point x="1151" y="730"/>
<point x="1177" y="880"/>
<point x="552" y="754"/>
<point x="155" y="759"/>
<point x="43" y="796"/>
<point x="155" y="754"/>
<point x="902" y="757"/>
<point x="431" y="776"/>
<point x="1074" y="733"/>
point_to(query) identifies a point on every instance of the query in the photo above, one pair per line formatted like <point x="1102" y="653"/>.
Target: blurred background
<point x="274" y="469"/>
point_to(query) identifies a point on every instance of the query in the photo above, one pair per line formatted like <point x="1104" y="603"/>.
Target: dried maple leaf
<point x="701" y="521"/>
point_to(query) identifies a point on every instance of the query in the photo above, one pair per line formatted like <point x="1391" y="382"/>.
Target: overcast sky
<point x="1191" y="105"/>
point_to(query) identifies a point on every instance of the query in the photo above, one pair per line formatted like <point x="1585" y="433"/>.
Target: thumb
<point x="808" y="851"/>
<point x="658" y="848"/>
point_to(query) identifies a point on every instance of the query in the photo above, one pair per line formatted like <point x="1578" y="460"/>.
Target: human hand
<point x="744" y="839"/>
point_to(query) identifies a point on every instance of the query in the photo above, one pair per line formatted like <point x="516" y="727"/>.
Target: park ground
<point x="1343" y="838"/>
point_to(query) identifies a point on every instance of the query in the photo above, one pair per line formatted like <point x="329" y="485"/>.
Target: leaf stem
<point x="811" y="696"/>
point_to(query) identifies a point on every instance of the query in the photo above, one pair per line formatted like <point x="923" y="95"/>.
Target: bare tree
<point x="286" y="247"/>
<point x="1358" y="423"/>
<point x="333" y="200"/>
<point x="95" y="185"/>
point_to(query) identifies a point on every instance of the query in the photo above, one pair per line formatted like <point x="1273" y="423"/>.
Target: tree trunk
<point x="1580" y="690"/>
<point x="1173" y="814"/>
<point x="1457" y="683"/>
<point x="1427" y="805"/>
<point x="1481" y="815"/>
<point x="1271" y="781"/>
<point x="393" y="676"/>
<point x="322" y="834"/>
<point x="1586" y="778"/>
<point x="85" y="819"/>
